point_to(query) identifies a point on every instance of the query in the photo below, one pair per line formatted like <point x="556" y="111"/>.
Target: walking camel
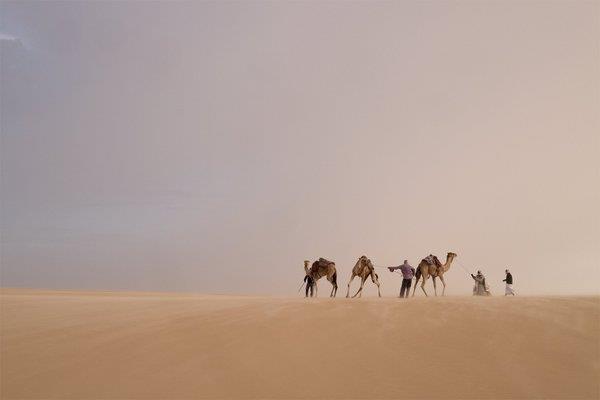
<point x="434" y="269"/>
<point x="363" y="268"/>
<point x="322" y="268"/>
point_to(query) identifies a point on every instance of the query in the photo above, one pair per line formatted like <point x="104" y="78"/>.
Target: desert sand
<point x="84" y="345"/>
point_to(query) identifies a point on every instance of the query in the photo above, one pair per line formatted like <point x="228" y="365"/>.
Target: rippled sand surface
<point x="92" y="345"/>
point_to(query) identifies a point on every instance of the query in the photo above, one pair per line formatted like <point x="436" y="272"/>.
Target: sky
<point x="214" y="146"/>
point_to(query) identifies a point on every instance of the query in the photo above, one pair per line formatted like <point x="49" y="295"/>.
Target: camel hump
<point x="321" y="265"/>
<point x="432" y="260"/>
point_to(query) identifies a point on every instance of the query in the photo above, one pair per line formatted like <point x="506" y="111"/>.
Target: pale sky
<point x="212" y="147"/>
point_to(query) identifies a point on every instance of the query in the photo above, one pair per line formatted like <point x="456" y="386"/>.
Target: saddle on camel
<point x="321" y="263"/>
<point x="433" y="261"/>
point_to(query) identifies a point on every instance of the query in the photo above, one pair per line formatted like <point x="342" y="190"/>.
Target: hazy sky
<point x="212" y="147"/>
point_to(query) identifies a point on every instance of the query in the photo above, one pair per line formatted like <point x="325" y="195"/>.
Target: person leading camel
<point x="322" y="268"/>
<point x="310" y="285"/>
<point x="408" y="273"/>
<point x="480" y="288"/>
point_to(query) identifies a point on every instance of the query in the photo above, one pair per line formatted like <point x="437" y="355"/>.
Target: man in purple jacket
<point x="408" y="273"/>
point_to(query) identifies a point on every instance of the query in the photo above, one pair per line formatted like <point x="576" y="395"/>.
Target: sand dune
<point x="135" y="345"/>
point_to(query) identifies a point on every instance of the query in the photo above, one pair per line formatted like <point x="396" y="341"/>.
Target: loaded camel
<point x="363" y="268"/>
<point x="431" y="266"/>
<point x="322" y="268"/>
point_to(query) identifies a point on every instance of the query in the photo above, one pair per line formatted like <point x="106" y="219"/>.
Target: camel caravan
<point x="364" y="269"/>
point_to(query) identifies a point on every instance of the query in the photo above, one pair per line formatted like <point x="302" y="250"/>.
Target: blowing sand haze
<point x="88" y="345"/>
<point x="172" y="171"/>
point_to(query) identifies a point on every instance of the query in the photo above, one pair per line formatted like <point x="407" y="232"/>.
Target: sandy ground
<point x="145" y="345"/>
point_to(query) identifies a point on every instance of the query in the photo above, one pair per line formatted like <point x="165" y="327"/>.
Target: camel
<point x="363" y="268"/>
<point x="427" y="269"/>
<point x="322" y="268"/>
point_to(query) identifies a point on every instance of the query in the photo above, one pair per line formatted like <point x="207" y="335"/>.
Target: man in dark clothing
<point x="509" y="281"/>
<point x="408" y="273"/>
<point x="310" y="283"/>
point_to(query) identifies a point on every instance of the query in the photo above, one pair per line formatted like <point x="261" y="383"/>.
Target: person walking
<point x="480" y="287"/>
<point x="310" y="285"/>
<point x="509" y="282"/>
<point x="408" y="273"/>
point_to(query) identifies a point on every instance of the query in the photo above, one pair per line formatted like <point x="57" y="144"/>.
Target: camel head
<point x="449" y="257"/>
<point x="360" y="261"/>
<point x="363" y="261"/>
<point x="306" y="263"/>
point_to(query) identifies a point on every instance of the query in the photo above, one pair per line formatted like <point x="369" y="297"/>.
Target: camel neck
<point x="448" y="263"/>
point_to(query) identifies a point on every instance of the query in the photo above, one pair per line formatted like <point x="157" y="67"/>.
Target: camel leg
<point x="443" y="283"/>
<point x="376" y="281"/>
<point x="362" y="283"/>
<point x="332" y="278"/>
<point x="423" y="287"/>
<point x="348" y="291"/>
<point x="316" y="289"/>
<point x="415" y="287"/>
<point x="434" y="286"/>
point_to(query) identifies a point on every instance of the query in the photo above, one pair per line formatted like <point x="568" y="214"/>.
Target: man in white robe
<point x="508" y="291"/>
